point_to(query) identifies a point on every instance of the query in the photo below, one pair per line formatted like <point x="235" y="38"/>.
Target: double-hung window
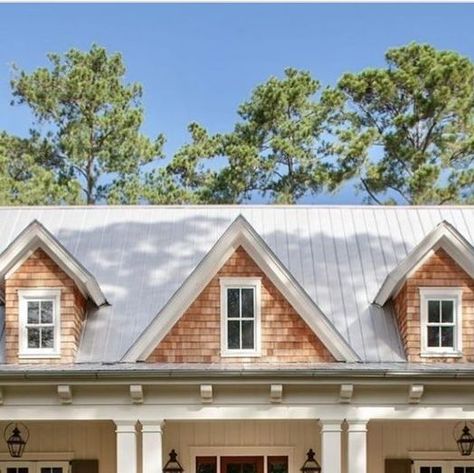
<point x="39" y="322"/>
<point x="240" y="316"/>
<point x="441" y="329"/>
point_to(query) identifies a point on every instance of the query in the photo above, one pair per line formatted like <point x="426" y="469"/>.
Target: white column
<point x="331" y="446"/>
<point x="357" y="446"/>
<point x="152" y="446"/>
<point x="126" y="434"/>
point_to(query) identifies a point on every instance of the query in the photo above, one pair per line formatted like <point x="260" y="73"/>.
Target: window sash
<point x="241" y="319"/>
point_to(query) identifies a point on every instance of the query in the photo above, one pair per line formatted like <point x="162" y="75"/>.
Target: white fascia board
<point x="35" y="236"/>
<point x="443" y="236"/>
<point x="240" y="233"/>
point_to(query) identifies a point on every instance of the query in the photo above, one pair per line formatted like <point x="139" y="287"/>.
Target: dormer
<point x="46" y="293"/>
<point x="432" y="294"/>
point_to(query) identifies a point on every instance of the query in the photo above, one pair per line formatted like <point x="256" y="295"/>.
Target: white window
<point x="441" y="321"/>
<point x="240" y="316"/>
<point x="39" y="323"/>
<point x="34" y="467"/>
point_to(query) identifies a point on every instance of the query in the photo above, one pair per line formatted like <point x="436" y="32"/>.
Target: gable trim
<point x="35" y="236"/>
<point x="444" y="236"/>
<point x="240" y="233"/>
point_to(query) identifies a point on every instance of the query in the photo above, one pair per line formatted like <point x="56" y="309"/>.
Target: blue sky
<point x="198" y="62"/>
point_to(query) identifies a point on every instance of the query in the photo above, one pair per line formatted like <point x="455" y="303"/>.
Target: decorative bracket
<point x="65" y="394"/>
<point x="206" y="393"/>
<point x="136" y="393"/>
<point x="415" y="393"/>
<point x="345" y="393"/>
<point x="276" y="393"/>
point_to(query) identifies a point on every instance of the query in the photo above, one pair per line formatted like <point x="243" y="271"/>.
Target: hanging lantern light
<point x="310" y="465"/>
<point x="16" y="439"/>
<point x="465" y="442"/>
<point x="173" y="465"/>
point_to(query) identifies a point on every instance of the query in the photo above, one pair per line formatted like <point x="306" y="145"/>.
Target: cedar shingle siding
<point x="439" y="271"/>
<point x="195" y="338"/>
<point x="39" y="271"/>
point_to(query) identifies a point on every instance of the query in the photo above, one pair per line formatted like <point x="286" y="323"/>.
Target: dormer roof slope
<point x="444" y="236"/>
<point x="35" y="236"/>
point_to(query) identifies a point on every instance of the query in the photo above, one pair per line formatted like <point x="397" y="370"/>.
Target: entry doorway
<point x="242" y="464"/>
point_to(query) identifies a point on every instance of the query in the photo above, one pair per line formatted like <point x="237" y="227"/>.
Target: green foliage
<point x="277" y="149"/>
<point x="410" y="127"/>
<point x="28" y="176"/>
<point x="95" y="120"/>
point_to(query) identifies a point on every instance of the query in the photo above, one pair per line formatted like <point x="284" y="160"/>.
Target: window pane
<point x="433" y="336"/>
<point x="33" y="312"/>
<point x="249" y="468"/>
<point x="433" y="311"/>
<point x="233" y="303"/>
<point x="436" y="469"/>
<point x="47" y="312"/>
<point x="233" y="334"/>
<point x="234" y="468"/>
<point x="468" y="469"/>
<point x="247" y="302"/>
<point x="447" y="311"/>
<point x="247" y="334"/>
<point x="447" y="337"/>
<point x="425" y="469"/>
<point x="47" y="337"/>
<point x="206" y="464"/>
<point x="277" y="465"/>
<point x="33" y="337"/>
<point x="458" y="469"/>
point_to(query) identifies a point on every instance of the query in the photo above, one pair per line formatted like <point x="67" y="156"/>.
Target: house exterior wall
<point x="40" y="271"/>
<point x="406" y="439"/>
<point x="439" y="271"/>
<point x="195" y="338"/>
<point x="78" y="440"/>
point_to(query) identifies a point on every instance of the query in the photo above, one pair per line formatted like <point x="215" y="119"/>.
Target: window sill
<point x="42" y="356"/>
<point x="240" y="354"/>
<point x="441" y="354"/>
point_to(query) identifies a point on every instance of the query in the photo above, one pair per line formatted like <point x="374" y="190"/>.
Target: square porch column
<point x="357" y="446"/>
<point x="152" y="446"/>
<point x="331" y="458"/>
<point x="126" y="435"/>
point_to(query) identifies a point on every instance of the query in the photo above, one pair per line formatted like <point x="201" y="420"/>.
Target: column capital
<point x="331" y="425"/>
<point x="125" y="426"/>
<point x="153" y="426"/>
<point x="356" y="425"/>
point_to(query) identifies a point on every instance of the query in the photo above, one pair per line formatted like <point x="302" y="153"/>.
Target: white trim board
<point x="35" y="236"/>
<point x="240" y="233"/>
<point x="444" y="236"/>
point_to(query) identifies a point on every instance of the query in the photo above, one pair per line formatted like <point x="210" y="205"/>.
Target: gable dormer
<point x="240" y="266"/>
<point x="46" y="294"/>
<point x="432" y="293"/>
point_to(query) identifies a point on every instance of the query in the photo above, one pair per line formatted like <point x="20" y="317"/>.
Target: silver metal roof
<point x="141" y="255"/>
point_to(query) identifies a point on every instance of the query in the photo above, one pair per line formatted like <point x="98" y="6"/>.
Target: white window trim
<point x="34" y="466"/>
<point x="447" y="465"/>
<point x="230" y="282"/>
<point x="225" y="451"/>
<point x="445" y="293"/>
<point x="39" y="293"/>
